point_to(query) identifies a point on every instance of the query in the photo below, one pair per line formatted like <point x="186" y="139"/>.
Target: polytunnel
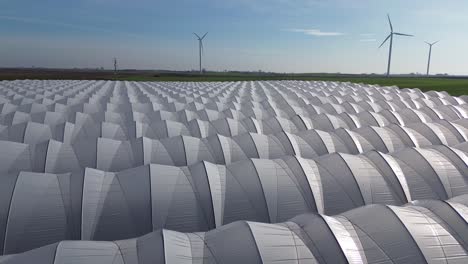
<point x="438" y="134"/>
<point x="162" y="129"/>
<point x="354" y="142"/>
<point x="322" y="142"/>
<point x="132" y="202"/>
<point x="382" y="138"/>
<point x="412" y="234"/>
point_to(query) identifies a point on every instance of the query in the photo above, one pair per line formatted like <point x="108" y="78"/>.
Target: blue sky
<point x="271" y="35"/>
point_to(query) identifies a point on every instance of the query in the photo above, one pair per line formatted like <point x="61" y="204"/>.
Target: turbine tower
<point x="115" y="66"/>
<point x="390" y="36"/>
<point x="430" y="53"/>
<point x="200" y="47"/>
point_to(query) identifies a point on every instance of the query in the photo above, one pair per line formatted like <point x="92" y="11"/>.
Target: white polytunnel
<point x="382" y="139"/>
<point x="393" y="117"/>
<point x="229" y="127"/>
<point x="328" y="122"/>
<point x="323" y="142"/>
<point x="297" y="145"/>
<point x="371" y="119"/>
<point x="426" y="231"/>
<point x="437" y="134"/>
<point x="412" y="115"/>
<point x="409" y="136"/>
<point x="203" y="196"/>
<point x="260" y="146"/>
<point x="279" y="124"/>
<point x="354" y="142"/>
<point x="162" y="129"/>
<point x="86" y="127"/>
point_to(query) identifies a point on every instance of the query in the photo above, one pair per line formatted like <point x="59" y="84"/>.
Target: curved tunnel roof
<point x="425" y="231"/>
<point x="230" y="163"/>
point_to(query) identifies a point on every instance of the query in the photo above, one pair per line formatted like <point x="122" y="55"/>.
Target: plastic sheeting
<point x="96" y="204"/>
<point x="99" y="160"/>
<point x="421" y="232"/>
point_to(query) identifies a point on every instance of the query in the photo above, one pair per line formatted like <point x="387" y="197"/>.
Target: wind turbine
<point x="200" y="47"/>
<point x="390" y="36"/>
<point x="115" y="66"/>
<point x="430" y="53"/>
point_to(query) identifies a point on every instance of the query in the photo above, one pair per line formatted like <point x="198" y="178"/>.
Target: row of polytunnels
<point x="231" y="172"/>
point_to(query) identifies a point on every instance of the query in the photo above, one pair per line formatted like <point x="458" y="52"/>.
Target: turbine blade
<point x="385" y="41"/>
<point x="428" y="43"/>
<point x="390" y="22"/>
<point x="401" y="34"/>
<point x="201" y="46"/>
<point x="196" y="35"/>
<point x="435" y="42"/>
<point x="204" y="35"/>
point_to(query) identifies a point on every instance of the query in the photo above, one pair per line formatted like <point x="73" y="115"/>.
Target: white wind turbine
<point x="430" y="53"/>
<point x="390" y="36"/>
<point x="200" y="48"/>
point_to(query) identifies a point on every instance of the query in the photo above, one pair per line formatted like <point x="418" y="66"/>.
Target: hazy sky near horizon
<point x="269" y="35"/>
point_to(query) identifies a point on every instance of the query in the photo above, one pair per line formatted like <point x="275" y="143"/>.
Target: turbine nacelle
<point x="431" y="44"/>
<point x="200" y="38"/>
